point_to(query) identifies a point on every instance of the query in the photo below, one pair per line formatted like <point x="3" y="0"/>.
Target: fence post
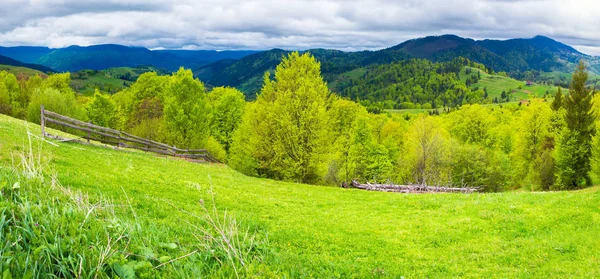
<point x="88" y="134"/>
<point x="43" y="121"/>
<point x="119" y="140"/>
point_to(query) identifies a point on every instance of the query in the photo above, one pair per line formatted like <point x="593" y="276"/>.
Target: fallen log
<point x="411" y="188"/>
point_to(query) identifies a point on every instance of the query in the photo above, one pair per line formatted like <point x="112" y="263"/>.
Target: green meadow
<point x="297" y="231"/>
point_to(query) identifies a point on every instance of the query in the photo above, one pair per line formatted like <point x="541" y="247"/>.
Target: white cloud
<point x="264" y="24"/>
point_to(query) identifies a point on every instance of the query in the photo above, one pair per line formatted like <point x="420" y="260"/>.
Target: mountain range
<point x="100" y="57"/>
<point x="512" y="56"/>
<point x="245" y="69"/>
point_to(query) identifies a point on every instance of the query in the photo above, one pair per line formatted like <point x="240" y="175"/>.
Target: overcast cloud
<point x="265" y="24"/>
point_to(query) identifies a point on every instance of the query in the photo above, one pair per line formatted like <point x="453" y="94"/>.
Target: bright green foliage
<point x="227" y="107"/>
<point x="55" y="101"/>
<point x="533" y="138"/>
<point x="5" y="107"/>
<point x="469" y="166"/>
<point x="290" y="120"/>
<point x="574" y="161"/>
<point x="102" y="110"/>
<point x="216" y="149"/>
<point x="243" y="155"/>
<point x="558" y="99"/>
<point x="186" y="111"/>
<point x="9" y="93"/>
<point x="141" y="107"/>
<point x="342" y="115"/>
<point x="426" y="155"/>
<point x="472" y="124"/>
<point x="60" y="82"/>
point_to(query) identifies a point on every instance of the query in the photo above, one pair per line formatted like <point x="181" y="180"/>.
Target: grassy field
<point x="345" y="78"/>
<point x="327" y="232"/>
<point x="495" y="84"/>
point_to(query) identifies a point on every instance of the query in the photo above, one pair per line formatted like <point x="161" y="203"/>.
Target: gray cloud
<point x="292" y="24"/>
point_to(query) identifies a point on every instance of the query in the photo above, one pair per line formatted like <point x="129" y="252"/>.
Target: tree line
<point x="297" y="130"/>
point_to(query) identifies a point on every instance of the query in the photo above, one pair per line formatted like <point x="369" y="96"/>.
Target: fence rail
<point x="120" y="139"/>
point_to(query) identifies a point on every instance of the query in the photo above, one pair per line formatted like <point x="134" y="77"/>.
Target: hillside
<point x="313" y="231"/>
<point x="12" y="62"/>
<point x="515" y="90"/>
<point x="110" y="80"/>
<point x="513" y="56"/>
<point x="20" y="71"/>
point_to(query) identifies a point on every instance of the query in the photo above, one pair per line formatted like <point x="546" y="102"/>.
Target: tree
<point x="532" y="139"/>
<point x="55" y="101"/>
<point x="186" y="111"/>
<point x="227" y="107"/>
<point x="425" y="156"/>
<point x="102" y="111"/>
<point x="558" y="98"/>
<point x="575" y="145"/>
<point x="342" y="115"/>
<point x="290" y="121"/>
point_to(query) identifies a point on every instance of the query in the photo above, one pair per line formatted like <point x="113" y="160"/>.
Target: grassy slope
<point x="15" y="70"/>
<point x="318" y="231"/>
<point x="495" y="84"/>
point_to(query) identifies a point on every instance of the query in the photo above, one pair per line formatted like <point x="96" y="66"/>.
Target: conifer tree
<point x="574" y="149"/>
<point x="558" y="99"/>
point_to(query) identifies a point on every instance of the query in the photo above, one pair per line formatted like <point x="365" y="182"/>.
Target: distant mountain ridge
<point x="99" y="57"/>
<point x="512" y="56"/>
<point x="245" y="69"/>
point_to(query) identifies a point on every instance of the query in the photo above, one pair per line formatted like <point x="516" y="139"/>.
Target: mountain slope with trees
<point x="513" y="56"/>
<point x="12" y="62"/>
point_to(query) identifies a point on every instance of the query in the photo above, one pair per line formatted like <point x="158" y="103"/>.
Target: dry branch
<point x="411" y="188"/>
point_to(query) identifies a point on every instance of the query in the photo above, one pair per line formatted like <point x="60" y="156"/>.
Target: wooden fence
<point x="119" y="139"/>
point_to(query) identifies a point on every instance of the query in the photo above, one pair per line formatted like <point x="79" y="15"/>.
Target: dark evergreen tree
<point x="575" y="146"/>
<point x="558" y="100"/>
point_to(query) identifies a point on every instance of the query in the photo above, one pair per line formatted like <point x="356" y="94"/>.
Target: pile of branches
<point x="410" y="188"/>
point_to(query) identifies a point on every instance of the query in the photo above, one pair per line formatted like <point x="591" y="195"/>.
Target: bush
<point x="55" y="101"/>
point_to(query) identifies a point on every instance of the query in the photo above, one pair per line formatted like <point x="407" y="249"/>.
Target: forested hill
<point x="100" y="57"/>
<point x="404" y="84"/>
<point x="12" y="62"/>
<point x="512" y="56"/>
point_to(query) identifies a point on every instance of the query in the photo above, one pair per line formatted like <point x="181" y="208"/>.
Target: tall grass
<point x="48" y="230"/>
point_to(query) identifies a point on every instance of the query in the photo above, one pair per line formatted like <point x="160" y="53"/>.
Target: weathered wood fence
<point x="119" y="139"/>
<point x="411" y="188"/>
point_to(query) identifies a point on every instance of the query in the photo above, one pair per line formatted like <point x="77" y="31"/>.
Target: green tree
<point x="575" y="145"/>
<point x="5" y="107"/>
<point x="227" y="107"/>
<point x="55" y="101"/>
<point x="558" y="98"/>
<point x="102" y="111"/>
<point x="186" y="111"/>
<point x="290" y="121"/>
<point x="533" y="134"/>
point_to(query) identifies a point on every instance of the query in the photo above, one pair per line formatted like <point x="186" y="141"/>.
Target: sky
<point x="266" y="24"/>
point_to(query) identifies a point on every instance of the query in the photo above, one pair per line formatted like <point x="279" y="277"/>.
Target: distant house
<point x="523" y="102"/>
<point x="529" y="83"/>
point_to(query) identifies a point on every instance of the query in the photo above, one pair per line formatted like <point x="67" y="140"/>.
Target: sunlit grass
<point x="317" y="231"/>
